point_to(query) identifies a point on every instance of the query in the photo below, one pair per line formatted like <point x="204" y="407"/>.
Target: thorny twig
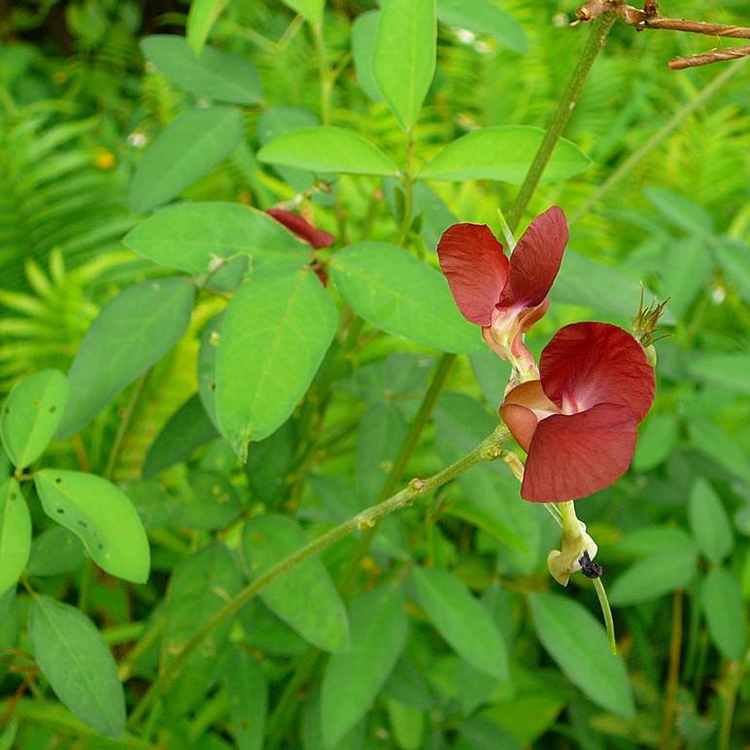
<point x="649" y="18"/>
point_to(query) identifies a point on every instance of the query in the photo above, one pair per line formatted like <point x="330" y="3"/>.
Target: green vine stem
<point x="600" y="29"/>
<point x="490" y="449"/>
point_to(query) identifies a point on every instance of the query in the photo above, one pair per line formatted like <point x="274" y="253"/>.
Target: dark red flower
<point x="302" y="228"/>
<point x="578" y="422"/>
<point x="504" y="296"/>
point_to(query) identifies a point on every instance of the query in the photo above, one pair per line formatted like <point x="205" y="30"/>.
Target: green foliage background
<point x="665" y="203"/>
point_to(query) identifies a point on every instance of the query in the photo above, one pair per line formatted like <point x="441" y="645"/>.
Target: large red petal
<point x="592" y="363"/>
<point x="574" y="456"/>
<point x="476" y="268"/>
<point x="302" y="228"/>
<point x="536" y="260"/>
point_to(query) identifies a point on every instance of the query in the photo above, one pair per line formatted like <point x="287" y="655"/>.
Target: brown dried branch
<point x="649" y="18"/>
<point x="719" y="55"/>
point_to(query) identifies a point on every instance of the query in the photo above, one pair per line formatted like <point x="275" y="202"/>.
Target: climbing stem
<point x="609" y="623"/>
<point x="600" y="29"/>
<point x="488" y="450"/>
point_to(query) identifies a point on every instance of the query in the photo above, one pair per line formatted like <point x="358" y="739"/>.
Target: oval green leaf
<point x="304" y="596"/>
<point x="192" y="144"/>
<point x="404" y="56"/>
<point x="460" y="619"/>
<point x="720" y="447"/>
<point x="15" y="534"/>
<point x="274" y="334"/>
<point x="247" y="696"/>
<point x="132" y="332"/>
<point x="721" y="598"/>
<point x="364" y="34"/>
<point x="653" y="576"/>
<point x="200" y="586"/>
<point x="504" y="153"/>
<point x="484" y="17"/>
<point x="31" y="415"/>
<point x="656" y="442"/>
<point x="101" y="516"/>
<point x="577" y="642"/>
<point x="709" y="522"/>
<point x="327" y="149"/>
<point x="214" y="74"/>
<point x="725" y="370"/>
<point x="187" y="429"/>
<point x="378" y="626"/>
<point x="78" y="665"/>
<point x="192" y="237"/>
<point x="394" y="291"/>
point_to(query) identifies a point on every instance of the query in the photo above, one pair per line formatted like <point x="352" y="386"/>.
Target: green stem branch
<point x="488" y="450"/>
<point x="600" y="29"/>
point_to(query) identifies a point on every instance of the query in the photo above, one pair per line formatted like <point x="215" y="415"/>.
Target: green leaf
<point x="605" y="289"/>
<point x="686" y="272"/>
<point x="482" y="17"/>
<point x="304" y="596"/>
<point x="354" y="678"/>
<point x="134" y="331"/>
<point x="31" y="415"/>
<point x="200" y="586"/>
<point x="726" y="370"/>
<point x="15" y="534"/>
<point x="460" y="619"/>
<point x="78" y="665"/>
<point x="192" y="144"/>
<point x="649" y="540"/>
<point x="709" y="522"/>
<point x="734" y="256"/>
<point x="653" y="576"/>
<point x="327" y="149"/>
<point x="721" y="599"/>
<point x="187" y="429"/>
<point x="577" y="642"/>
<point x="717" y="445"/>
<point x="407" y="725"/>
<point x="274" y="334"/>
<point x="656" y="442"/>
<point x="404" y="56"/>
<point x="192" y="237"/>
<point x="364" y="34"/>
<point x="207" y="366"/>
<point x="505" y="153"/>
<point x="213" y="74"/>
<point x="681" y="212"/>
<point x="382" y="430"/>
<point x="54" y="552"/>
<point x="247" y="696"/>
<point x="310" y="10"/>
<point x="394" y="291"/>
<point x="101" y="516"/>
<point x="201" y="18"/>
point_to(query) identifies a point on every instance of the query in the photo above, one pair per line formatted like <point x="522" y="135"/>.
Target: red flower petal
<point x="593" y="363"/>
<point x="302" y="228"/>
<point x="536" y="260"/>
<point x="476" y="268"/>
<point x="574" y="456"/>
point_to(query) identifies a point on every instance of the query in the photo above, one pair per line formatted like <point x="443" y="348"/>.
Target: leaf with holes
<point x="78" y="664"/>
<point x="15" y="534"/>
<point x="101" y="516"/>
<point x="274" y="334"/>
<point x="31" y="414"/>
